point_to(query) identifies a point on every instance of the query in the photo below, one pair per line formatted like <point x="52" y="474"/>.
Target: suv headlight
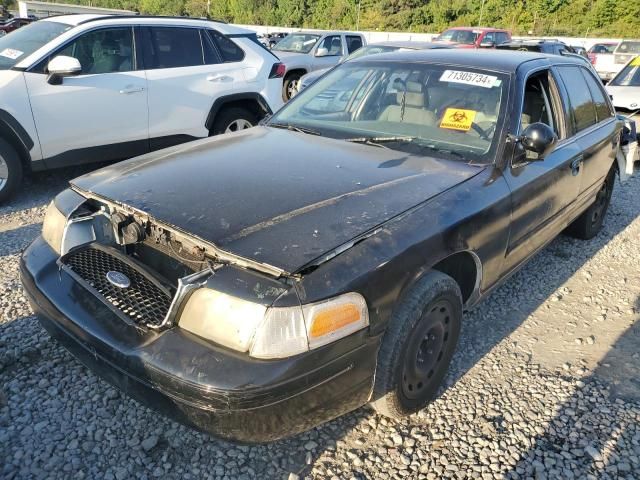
<point x="53" y="227"/>
<point x="272" y="332"/>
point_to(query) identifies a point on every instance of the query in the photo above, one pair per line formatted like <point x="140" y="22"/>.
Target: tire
<point x="227" y="117"/>
<point x="289" y="85"/>
<point x="409" y="371"/>
<point x="10" y="170"/>
<point x="589" y="223"/>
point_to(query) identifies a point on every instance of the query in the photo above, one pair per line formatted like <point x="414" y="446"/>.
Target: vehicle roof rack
<point x="107" y="17"/>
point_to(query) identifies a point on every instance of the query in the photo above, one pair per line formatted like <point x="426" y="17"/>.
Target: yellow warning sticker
<point x="636" y="62"/>
<point x="458" y="119"/>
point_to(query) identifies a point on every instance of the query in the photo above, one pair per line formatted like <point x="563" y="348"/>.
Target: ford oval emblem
<point x="118" y="279"/>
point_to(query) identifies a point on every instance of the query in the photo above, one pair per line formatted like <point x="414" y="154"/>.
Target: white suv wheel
<point x="239" y="124"/>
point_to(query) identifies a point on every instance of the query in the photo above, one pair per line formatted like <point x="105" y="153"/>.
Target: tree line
<point x="607" y="18"/>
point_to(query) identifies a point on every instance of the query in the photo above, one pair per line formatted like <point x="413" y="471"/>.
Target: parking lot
<point x="544" y="384"/>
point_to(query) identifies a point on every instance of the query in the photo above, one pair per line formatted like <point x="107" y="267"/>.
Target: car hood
<point x="274" y="196"/>
<point x="625" y="97"/>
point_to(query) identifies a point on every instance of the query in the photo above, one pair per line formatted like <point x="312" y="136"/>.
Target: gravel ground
<point x="545" y="384"/>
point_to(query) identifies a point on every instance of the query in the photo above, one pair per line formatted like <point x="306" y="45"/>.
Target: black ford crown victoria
<point x="260" y="283"/>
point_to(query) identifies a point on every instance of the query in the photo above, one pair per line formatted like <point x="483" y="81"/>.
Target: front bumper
<point x="192" y="381"/>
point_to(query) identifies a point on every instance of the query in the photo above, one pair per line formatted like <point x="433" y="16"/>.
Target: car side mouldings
<point x="253" y="98"/>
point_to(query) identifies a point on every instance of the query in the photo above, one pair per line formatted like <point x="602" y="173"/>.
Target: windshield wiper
<point x="294" y="128"/>
<point x="380" y="141"/>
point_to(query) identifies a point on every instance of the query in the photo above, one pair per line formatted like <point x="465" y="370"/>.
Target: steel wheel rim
<point x="292" y="88"/>
<point x="239" y="124"/>
<point x="426" y="354"/>
<point x="601" y="203"/>
<point x="4" y="173"/>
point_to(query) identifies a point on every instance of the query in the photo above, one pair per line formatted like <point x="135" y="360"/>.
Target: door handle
<point x="219" y="78"/>
<point x="131" y="89"/>
<point x="576" y="163"/>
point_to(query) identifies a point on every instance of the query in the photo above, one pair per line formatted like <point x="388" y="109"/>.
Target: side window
<point x="603" y="111"/>
<point x="583" y="110"/>
<point x="333" y="44"/>
<point x="501" y="37"/>
<point x="229" y="51"/>
<point x="106" y="50"/>
<point x="538" y="104"/>
<point x="211" y="53"/>
<point x="353" y="43"/>
<point x="489" y="37"/>
<point x="171" y="47"/>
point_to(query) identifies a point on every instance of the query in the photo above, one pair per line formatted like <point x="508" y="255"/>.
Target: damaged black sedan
<point x="257" y="284"/>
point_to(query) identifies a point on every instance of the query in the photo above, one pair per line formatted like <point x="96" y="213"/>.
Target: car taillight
<point x="592" y="58"/>
<point x="278" y="70"/>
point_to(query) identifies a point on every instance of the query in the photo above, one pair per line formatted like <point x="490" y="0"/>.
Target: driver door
<point x="543" y="191"/>
<point x="98" y="115"/>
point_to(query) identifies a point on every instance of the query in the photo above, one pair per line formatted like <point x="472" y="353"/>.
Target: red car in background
<point x="474" y="37"/>
<point x="11" y="24"/>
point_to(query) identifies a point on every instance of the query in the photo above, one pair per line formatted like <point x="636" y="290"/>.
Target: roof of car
<point x="325" y="32"/>
<point x="81" y="19"/>
<point x="408" y="44"/>
<point x="539" y="41"/>
<point x="480" y="29"/>
<point x="506" y="61"/>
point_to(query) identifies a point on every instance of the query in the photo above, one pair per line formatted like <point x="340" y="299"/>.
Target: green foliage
<point x="611" y="18"/>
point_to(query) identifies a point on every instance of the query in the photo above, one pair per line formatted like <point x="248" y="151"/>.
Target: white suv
<point x="85" y="88"/>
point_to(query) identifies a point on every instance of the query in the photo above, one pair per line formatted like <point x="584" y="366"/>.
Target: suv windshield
<point x="629" y="76"/>
<point x="459" y="36"/>
<point x="297" y="42"/>
<point x="435" y="110"/>
<point x="23" y="42"/>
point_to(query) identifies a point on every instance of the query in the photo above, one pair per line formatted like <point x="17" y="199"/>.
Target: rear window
<point x="583" y="110"/>
<point x="603" y="111"/>
<point x="229" y="51"/>
<point x="172" y="47"/>
<point x="354" y="42"/>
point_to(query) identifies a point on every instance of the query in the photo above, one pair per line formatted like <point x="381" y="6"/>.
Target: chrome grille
<point x="143" y="302"/>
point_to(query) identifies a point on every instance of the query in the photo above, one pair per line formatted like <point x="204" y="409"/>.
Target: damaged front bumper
<point x="629" y="151"/>
<point x="193" y="381"/>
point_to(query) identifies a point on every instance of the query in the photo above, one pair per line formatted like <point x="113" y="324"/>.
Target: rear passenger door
<point x="593" y="124"/>
<point x="187" y="70"/>
<point x="543" y="192"/>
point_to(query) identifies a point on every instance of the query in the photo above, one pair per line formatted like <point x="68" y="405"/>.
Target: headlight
<point x="53" y="227"/>
<point x="276" y="332"/>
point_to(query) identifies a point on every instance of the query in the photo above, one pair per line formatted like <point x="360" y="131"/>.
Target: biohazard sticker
<point x="11" y="53"/>
<point x="458" y="119"/>
<point x="469" y="78"/>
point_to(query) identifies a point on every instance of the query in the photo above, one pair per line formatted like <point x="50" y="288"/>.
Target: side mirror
<point x="487" y="44"/>
<point x="62" y="66"/>
<point x="322" y="52"/>
<point x="539" y="139"/>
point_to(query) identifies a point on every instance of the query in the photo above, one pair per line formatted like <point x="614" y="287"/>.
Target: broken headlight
<point x="272" y="332"/>
<point x="53" y="227"/>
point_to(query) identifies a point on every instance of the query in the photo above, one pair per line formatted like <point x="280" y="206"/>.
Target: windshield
<point x="603" y="48"/>
<point x="435" y="110"/>
<point x="629" y="76"/>
<point x="23" y="42"/>
<point x="628" y="47"/>
<point x="297" y="42"/>
<point x="459" y="36"/>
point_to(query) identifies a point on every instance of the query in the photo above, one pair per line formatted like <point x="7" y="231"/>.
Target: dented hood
<point x="275" y="196"/>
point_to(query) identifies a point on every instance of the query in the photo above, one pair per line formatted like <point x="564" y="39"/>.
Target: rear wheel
<point x="418" y="346"/>
<point x="233" y="119"/>
<point x="587" y="225"/>
<point x="10" y="170"/>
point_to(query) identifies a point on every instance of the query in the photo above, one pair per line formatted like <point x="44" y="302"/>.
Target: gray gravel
<point x="545" y="385"/>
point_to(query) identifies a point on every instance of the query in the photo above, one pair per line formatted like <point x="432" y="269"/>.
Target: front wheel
<point x="290" y="86"/>
<point x="233" y="119"/>
<point x="10" y="170"/>
<point x="587" y="225"/>
<point x="418" y="346"/>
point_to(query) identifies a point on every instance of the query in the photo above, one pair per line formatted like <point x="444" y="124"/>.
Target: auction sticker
<point x="458" y="119"/>
<point x="11" y="53"/>
<point x="635" y="62"/>
<point x="469" y="78"/>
